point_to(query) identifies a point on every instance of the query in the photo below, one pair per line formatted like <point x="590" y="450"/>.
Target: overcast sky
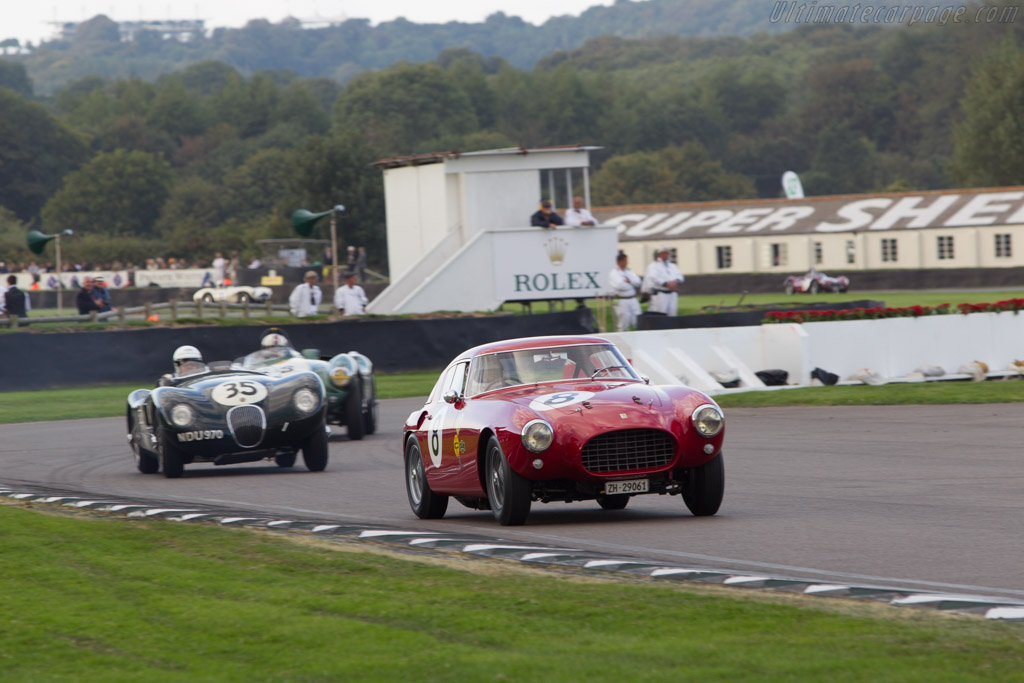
<point x="28" y="19"/>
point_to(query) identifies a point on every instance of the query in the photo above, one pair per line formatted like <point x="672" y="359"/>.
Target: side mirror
<point x="450" y="396"/>
<point x="646" y="379"/>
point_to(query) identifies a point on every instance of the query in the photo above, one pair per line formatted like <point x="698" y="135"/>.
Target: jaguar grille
<point x="628" y="449"/>
<point x="247" y="424"/>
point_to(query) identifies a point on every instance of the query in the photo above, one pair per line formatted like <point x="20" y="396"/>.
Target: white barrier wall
<point x="891" y="347"/>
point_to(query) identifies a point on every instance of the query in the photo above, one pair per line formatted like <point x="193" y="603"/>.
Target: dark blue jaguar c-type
<point x="223" y="415"/>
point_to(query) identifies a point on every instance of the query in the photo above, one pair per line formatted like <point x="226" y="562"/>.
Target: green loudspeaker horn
<point x="37" y="240"/>
<point x="303" y="220"/>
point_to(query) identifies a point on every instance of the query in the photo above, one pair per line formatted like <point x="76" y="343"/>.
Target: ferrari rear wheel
<point x="425" y="503"/>
<point x="286" y="460"/>
<point x="704" y="488"/>
<point x="354" y="410"/>
<point x="314" y="450"/>
<point x="244" y="298"/>
<point x="508" y="492"/>
<point x="613" y="502"/>
<point x="171" y="460"/>
<point x="208" y="298"/>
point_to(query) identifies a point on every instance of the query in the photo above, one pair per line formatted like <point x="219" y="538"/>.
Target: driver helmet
<point x="273" y="338"/>
<point x="187" y="360"/>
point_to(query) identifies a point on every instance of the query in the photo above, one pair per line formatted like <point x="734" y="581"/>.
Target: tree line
<point x="208" y="158"/>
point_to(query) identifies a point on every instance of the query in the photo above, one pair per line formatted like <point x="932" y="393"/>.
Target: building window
<point x="889" y="253"/>
<point x="851" y="251"/>
<point x="1003" y="248"/>
<point x="724" y="257"/>
<point x="819" y="256"/>
<point x="945" y="243"/>
<point x="780" y="256"/>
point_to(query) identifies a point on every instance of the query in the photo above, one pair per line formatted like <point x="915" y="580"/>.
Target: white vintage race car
<point x="233" y="294"/>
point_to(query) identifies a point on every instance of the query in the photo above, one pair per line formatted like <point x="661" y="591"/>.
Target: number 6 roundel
<point x="559" y="400"/>
<point x="435" y="445"/>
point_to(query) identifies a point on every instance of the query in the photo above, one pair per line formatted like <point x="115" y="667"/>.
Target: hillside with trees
<point x="211" y="158"/>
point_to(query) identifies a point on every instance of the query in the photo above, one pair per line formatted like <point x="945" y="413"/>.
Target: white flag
<point x="791" y="185"/>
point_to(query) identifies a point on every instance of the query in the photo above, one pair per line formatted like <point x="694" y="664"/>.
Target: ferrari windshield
<point x="528" y="366"/>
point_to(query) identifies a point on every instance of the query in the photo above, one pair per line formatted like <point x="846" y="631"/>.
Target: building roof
<point x="437" y="157"/>
<point x="817" y="215"/>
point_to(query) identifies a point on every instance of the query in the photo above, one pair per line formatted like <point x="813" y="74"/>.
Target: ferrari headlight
<point x="537" y="435"/>
<point x="708" y="420"/>
<point x="182" y="415"/>
<point x="305" y="401"/>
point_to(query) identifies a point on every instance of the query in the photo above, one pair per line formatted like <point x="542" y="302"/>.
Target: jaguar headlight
<point x="708" y="420"/>
<point x="305" y="400"/>
<point x="182" y="415"/>
<point x="537" y="435"/>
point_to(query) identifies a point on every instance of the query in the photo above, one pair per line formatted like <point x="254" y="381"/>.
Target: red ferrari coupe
<point x="558" y="419"/>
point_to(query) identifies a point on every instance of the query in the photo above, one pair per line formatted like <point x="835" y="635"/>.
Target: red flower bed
<point x="876" y="312"/>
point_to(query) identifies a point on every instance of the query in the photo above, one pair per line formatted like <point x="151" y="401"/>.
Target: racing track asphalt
<point x="927" y="497"/>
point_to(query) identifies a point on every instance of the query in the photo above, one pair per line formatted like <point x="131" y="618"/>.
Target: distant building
<point x="926" y="230"/>
<point x="182" y="30"/>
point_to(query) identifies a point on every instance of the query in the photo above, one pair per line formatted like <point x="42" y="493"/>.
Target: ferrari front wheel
<point x="508" y="492"/>
<point x="424" y="502"/>
<point x="704" y="487"/>
<point x="789" y="289"/>
<point x="314" y="450"/>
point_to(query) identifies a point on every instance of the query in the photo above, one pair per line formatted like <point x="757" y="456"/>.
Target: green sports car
<point x="347" y="377"/>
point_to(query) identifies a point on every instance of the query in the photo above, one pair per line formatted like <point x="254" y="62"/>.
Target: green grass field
<point x="165" y="601"/>
<point x="108" y="401"/>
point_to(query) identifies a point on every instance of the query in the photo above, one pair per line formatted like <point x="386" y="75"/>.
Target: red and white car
<point x="551" y="419"/>
<point x="813" y="282"/>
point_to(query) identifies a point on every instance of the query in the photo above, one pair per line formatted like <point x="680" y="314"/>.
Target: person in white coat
<point x="625" y="286"/>
<point x="350" y="299"/>
<point x="661" y="280"/>
<point x="305" y="298"/>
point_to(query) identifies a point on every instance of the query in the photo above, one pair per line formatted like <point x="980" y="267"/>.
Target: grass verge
<point x="168" y="601"/>
<point x="108" y="401"/>
<point x="921" y="393"/>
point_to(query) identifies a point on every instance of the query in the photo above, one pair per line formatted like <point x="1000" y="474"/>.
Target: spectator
<point x="305" y="298"/>
<point x="661" y="280"/>
<point x="350" y="260"/>
<point x="625" y="285"/>
<point x="99" y="285"/>
<point x="219" y="264"/>
<point x="16" y="302"/>
<point x="578" y="215"/>
<point x="255" y="263"/>
<point x="545" y="217"/>
<point x="361" y="263"/>
<point x="233" y="268"/>
<point x="350" y="299"/>
<point x="86" y="299"/>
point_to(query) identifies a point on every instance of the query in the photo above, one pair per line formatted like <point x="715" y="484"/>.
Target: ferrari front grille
<point x="628" y="449"/>
<point x="247" y="424"/>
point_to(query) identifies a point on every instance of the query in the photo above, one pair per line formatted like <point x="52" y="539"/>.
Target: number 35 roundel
<point x="559" y="400"/>
<point x="238" y="392"/>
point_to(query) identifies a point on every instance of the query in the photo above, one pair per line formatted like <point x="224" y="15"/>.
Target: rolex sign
<point x="563" y="263"/>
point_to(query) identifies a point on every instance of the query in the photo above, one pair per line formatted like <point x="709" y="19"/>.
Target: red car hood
<point x="602" y="405"/>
